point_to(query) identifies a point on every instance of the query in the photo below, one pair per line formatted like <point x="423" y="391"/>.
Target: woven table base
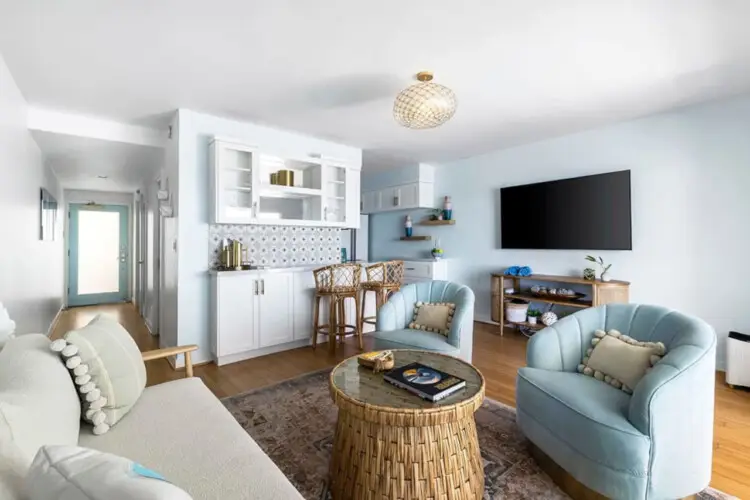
<point x="375" y="461"/>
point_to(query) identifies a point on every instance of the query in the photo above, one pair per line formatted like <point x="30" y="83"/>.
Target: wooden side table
<point x="392" y="444"/>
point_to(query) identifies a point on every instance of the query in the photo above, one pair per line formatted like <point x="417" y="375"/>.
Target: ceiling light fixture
<point x="102" y="177"/>
<point x="424" y="104"/>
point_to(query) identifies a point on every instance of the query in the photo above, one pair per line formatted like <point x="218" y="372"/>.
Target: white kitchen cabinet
<point x="233" y="314"/>
<point x="425" y="270"/>
<point x="275" y="301"/>
<point x="403" y="197"/>
<point x="324" y="191"/>
<point x="234" y="168"/>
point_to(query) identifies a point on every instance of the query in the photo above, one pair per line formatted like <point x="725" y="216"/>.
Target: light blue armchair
<point x="394" y="316"/>
<point x="655" y="444"/>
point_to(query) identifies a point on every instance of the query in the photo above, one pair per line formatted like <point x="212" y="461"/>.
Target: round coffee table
<point x="392" y="444"/>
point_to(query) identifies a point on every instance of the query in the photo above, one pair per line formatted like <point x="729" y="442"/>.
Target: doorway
<point x="99" y="250"/>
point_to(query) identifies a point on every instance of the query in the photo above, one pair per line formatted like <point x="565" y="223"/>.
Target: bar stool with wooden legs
<point x="338" y="282"/>
<point x="383" y="278"/>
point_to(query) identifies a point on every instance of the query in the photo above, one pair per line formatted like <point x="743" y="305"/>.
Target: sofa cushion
<point x="414" y="339"/>
<point x="593" y="414"/>
<point x="115" y="367"/>
<point x="38" y="406"/>
<point x="74" y="473"/>
<point x="180" y="429"/>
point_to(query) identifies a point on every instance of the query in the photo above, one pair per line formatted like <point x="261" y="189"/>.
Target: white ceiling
<point x="522" y="71"/>
<point x="78" y="161"/>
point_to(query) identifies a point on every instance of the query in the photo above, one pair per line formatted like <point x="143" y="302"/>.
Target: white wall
<point x="690" y="209"/>
<point x="195" y="131"/>
<point x="31" y="270"/>
<point x="168" y="291"/>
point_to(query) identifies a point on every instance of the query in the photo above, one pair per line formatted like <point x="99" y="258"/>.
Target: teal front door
<point x="99" y="250"/>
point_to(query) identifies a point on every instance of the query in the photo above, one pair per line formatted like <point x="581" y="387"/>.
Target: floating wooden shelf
<point x="438" y="222"/>
<point x="583" y="304"/>
<point x="416" y="238"/>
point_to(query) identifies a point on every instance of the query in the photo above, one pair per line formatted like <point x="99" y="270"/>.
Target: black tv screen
<point x="583" y="213"/>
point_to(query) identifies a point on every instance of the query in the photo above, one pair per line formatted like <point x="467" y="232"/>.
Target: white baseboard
<point x="233" y="358"/>
<point x="484" y="318"/>
<point x="55" y="320"/>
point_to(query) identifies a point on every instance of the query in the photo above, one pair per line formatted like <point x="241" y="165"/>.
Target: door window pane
<point x="98" y="252"/>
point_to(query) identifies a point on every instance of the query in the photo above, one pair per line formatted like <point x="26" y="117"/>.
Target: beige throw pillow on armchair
<point x="433" y="317"/>
<point x="620" y="360"/>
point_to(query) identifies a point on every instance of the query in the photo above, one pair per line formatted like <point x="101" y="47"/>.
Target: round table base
<point x="376" y="460"/>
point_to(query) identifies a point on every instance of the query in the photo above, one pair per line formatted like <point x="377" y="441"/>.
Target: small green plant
<point x="436" y="214"/>
<point x="533" y="313"/>
<point x="599" y="262"/>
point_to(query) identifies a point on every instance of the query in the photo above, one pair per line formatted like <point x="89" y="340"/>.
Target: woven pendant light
<point x="424" y="104"/>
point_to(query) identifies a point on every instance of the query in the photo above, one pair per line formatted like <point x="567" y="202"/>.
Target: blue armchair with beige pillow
<point x="432" y="316"/>
<point x="622" y="398"/>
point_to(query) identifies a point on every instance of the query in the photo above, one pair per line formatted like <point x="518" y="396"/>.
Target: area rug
<point x="294" y="422"/>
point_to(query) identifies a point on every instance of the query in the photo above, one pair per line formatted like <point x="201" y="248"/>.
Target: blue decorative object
<point x="511" y="271"/>
<point x="518" y="271"/>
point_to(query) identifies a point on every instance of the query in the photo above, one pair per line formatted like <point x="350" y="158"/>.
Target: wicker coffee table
<point x="392" y="444"/>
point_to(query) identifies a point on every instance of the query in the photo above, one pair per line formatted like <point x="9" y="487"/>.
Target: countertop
<point x="295" y="269"/>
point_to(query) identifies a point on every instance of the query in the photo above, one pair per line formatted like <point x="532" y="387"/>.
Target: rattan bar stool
<point x="383" y="279"/>
<point x="338" y="282"/>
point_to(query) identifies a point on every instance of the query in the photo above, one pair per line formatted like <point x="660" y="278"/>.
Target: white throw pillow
<point x="38" y="406"/>
<point x="107" y="367"/>
<point x="74" y="473"/>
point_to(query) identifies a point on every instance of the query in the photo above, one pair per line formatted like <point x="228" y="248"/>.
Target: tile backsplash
<point x="278" y="246"/>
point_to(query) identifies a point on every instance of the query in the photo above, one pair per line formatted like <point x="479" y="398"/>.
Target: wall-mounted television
<point x="583" y="213"/>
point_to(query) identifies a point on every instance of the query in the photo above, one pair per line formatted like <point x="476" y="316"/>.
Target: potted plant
<point x="436" y="214"/>
<point x="532" y="315"/>
<point x="437" y="252"/>
<point x="600" y="262"/>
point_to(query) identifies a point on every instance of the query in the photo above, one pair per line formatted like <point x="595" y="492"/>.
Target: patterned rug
<point x="294" y="422"/>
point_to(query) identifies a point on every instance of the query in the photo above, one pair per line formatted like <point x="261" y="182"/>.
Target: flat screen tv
<point x="583" y="213"/>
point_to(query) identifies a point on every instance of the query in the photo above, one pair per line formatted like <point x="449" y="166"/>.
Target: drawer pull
<point x="410" y="269"/>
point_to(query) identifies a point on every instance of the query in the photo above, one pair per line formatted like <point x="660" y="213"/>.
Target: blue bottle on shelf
<point x="408" y="226"/>
<point x="447" y="208"/>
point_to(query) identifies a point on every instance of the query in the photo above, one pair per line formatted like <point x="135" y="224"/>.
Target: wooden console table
<point x="601" y="292"/>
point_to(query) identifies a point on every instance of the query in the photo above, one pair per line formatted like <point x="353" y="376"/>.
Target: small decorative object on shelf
<point x="408" y="226"/>
<point x="600" y="262"/>
<point x="549" y="318"/>
<point x="377" y="361"/>
<point x="515" y="310"/>
<point x="510" y="290"/>
<point x="437" y="252"/>
<point x="532" y="315"/>
<point x="447" y="208"/>
<point x="437" y="214"/>
<point x="518" y="271"/>
<point x="589" y="274"/>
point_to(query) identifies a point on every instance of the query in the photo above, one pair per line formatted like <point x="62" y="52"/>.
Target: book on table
<point x="424" y="381"/>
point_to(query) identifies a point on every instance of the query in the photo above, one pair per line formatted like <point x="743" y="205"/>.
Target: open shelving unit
<point x="597" y="293"/>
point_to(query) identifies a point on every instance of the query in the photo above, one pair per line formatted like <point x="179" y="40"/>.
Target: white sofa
<point x="179" y="429"/>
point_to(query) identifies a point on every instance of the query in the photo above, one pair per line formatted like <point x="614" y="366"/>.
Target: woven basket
<point x="516" y="313"/>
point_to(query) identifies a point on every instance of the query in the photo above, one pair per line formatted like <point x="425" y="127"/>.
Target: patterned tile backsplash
<point x="278" y="246"/>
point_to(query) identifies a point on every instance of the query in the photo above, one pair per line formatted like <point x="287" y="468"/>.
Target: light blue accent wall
<point x="690" y="208"/>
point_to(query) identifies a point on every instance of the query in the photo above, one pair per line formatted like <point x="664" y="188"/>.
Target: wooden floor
<point x="497" y="358"/>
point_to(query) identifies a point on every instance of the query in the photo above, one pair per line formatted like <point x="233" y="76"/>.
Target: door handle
<point x="256" y="287"/>
<point x="262" y="287"/>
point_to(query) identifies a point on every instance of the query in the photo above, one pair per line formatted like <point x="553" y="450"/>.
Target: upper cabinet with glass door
<point x="285" y="190"/>
<point x="234" y="171"/>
